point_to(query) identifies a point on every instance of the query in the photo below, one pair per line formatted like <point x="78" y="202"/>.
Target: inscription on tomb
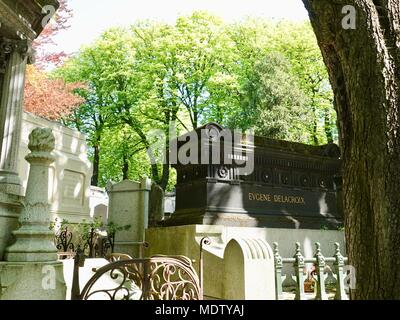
<point x="277" y="198"/>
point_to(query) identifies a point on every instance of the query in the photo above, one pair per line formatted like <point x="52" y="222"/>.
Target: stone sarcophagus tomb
<point x="229" y="178"/>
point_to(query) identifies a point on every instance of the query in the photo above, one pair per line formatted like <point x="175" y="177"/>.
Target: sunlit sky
<point x="92" y="17"/>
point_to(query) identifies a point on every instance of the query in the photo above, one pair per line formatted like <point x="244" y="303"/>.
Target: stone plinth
<point x="10" y="209"/>
<point x="32" y="281"/>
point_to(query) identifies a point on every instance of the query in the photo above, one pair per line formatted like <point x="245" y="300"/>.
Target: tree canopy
<point x="253" y="74"/>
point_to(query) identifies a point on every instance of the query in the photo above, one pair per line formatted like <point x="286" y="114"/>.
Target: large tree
<point x="363" y="61"/>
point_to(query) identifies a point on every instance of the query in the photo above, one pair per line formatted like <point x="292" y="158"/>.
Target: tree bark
<point x="328" y="127"/>
<point x="125" y="167"/>
<point x="363" y="66"/>
<point x="96" y="165"/>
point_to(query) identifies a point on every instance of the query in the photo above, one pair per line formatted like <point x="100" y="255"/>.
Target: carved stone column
<point x="13" y="59"/>
<point x="34" y="239"/>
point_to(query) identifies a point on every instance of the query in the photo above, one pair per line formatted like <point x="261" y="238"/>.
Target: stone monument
<point x="245" y="192"/>
<point x="21" y="23"/>
<point x="289" y="185"/>
<point x="34" y="251"/>
<point x="70" y="173"/>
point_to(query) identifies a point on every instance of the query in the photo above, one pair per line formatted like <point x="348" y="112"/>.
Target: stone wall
<point x="70" y="174"/>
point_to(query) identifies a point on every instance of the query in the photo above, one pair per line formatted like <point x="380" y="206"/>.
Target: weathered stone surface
<point x="21" y="22"/>
<point x="249" y="270"/>
<point x="10" y="209"/>
<point x="34" y="240"/>
<point x="156" y="206"/>
<point x="69" y="176"/>
<point x="11" y="102"/>
<point x="23" y="19"/>
<point x="32" y="281"/>
<point x="129" y="205"/>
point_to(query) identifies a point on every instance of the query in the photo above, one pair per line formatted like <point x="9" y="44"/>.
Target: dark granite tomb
<point x="292" y="185"/>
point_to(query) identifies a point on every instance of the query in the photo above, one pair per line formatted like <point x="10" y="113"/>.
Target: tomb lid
<point x="213" y="132"/>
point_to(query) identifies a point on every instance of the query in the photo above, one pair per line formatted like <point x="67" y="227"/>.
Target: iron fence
<point x="316" y="278"/>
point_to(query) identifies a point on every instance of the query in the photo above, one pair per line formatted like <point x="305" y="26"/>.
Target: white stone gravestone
<point x="129" y="205"/>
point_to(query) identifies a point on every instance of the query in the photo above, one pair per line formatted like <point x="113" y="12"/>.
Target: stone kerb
<point x="249" y="270"/>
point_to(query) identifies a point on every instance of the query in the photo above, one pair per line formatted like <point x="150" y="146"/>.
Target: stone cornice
<point x="23" y="18"/>
<point x="10" y="18"/>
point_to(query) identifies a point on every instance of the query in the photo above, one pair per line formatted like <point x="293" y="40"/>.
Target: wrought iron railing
<point x="156" y="278"/>
<point x="317" y="276"/>
<point x="93" y="243"/>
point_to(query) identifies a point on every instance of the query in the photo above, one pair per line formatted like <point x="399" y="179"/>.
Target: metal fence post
<point x="204" y="241"/>
<point x="79" y="262"/>
<point x="278" y="272"/>
<point x="339" y="265"/>
<point x="299" y="270"/>
<point x="320" y="270"/>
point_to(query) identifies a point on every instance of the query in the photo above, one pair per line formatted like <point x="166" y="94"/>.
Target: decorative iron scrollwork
<point x="63" y="240"/>
<point x="156" y="278"/>
<point x="94" y="245"/>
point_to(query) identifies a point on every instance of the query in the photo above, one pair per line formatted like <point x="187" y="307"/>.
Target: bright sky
<point x="92" y="17"/>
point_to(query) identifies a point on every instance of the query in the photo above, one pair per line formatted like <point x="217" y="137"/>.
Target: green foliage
<point x="84" y="227"/>
<point x="253" y="74"/>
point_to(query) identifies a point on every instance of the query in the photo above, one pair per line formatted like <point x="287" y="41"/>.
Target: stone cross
<point x="34" y="239"/>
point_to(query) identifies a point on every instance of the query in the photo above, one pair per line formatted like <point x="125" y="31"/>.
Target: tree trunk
<point x="125" y="167"/>
<point x="96" y="165"/>
<point x="328" y="127"/>
<point x="363" y="66"/>
<point x="315" y="127"/>
<point x="166" y="166"/>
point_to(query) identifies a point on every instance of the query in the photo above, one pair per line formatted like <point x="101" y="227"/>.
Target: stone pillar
<point x="31" y="270"/>
<point x="34" y="239"/>
<point x="13" y="59"/>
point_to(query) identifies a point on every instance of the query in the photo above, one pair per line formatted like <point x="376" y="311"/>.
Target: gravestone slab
<point x="129" y="206"/>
